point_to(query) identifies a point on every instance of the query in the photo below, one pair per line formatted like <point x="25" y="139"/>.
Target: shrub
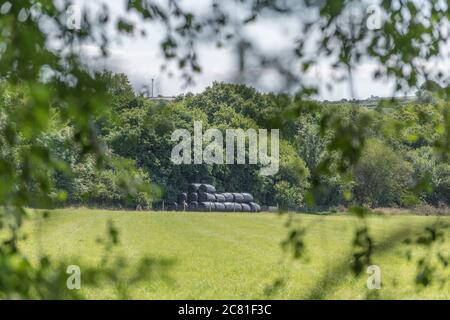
<point x="382" y="177"/>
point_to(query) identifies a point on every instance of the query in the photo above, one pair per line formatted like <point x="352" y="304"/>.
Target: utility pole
<point x="151" y="92"/>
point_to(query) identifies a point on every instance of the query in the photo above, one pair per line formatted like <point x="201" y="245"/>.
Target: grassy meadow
<point x="233" y="255"/>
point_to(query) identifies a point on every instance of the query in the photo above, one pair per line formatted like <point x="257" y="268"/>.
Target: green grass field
<point x="234" y="256"/>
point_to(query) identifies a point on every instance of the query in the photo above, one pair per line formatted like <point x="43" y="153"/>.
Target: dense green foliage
<point x="136" y="138"/>
<point x="390" y="168"/>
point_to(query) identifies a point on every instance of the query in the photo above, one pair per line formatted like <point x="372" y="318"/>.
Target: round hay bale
<point x="228" y="196"/>
<point x="206" y="197"/>
<point x="207" y="188"/>
<point x="172" y="206"/>
<point x="229" y="206"/>
<point x="219" y="206"/>
<point x="238" y="197"/>
<point x="193" y="187"/>
<point x="237" y="207"/>
<point x="182" y="197"/>
<point x="193" y="196"/>
<point x="246" y="207"/>
<point x="193" y="206"/>
<point x="255" y="207"/>
<point x="247" y="197"/>
<point x="220" y="197"/>
<point x="206" y="206"/>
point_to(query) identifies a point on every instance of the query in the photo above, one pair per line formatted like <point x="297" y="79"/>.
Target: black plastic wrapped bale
<point x="193" y="206"/>
<point x="255" y="207"/>
<point x="207" y="188"/>
<point x="220" y="197"/>
<point x="229" y="206"/>
<point x="220" y="206"/>
<point x="247" y="197"/>
<point x="238" y="197"/>
<point x="228" y="196"/>
<point x="246" y="207"/>
<point x="192" y="196"/>
<point x="182" y="198"/>
<point x="206" y="197"/>
<point x="193" y="187"/>
<point x="237" y="207"/>
<point x="172" y="206"/>
<point x="206" y="206"/>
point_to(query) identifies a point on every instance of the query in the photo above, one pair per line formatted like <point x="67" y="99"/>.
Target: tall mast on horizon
<point x="151" y="92"/>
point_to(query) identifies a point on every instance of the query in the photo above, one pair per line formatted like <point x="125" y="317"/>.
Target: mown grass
<point x="236" y="256"/>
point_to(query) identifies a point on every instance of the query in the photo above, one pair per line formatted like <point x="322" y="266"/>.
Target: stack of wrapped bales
<point x="203" y="197"/>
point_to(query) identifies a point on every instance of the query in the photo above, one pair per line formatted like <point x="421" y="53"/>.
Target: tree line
<point x="399" y="155"/>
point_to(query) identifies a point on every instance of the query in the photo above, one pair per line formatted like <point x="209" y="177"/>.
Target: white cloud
<point x="141" y="59"/>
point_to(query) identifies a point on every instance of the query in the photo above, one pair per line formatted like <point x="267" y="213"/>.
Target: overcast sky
<point x="141" y="59"/>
